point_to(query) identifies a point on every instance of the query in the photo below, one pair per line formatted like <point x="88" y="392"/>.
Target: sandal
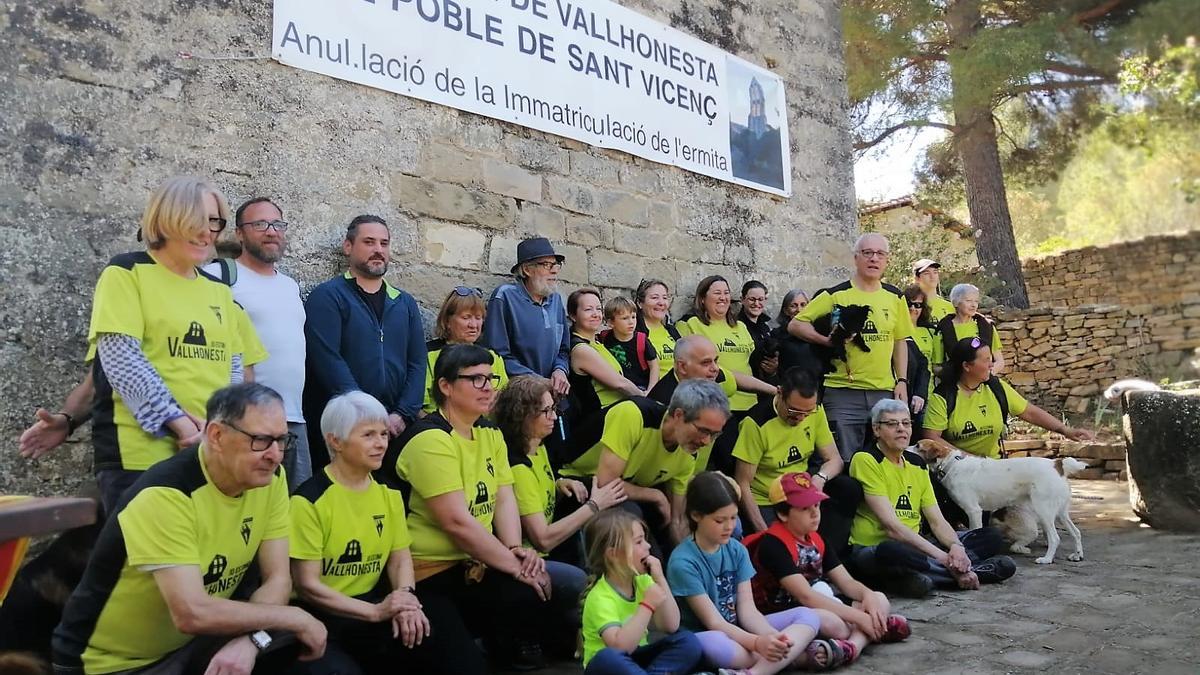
<point x="897" y="629"/>
<point x="835" y="652"/>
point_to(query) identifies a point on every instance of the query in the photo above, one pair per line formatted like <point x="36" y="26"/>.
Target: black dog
<point x="844" y="323"/>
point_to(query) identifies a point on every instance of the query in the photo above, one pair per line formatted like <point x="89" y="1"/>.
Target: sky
<point x="887" y="171"/>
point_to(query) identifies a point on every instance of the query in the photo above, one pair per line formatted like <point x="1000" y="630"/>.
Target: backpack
<point x="950" y="338"/>
<point x="950" y="393"/>
<point x="640" y="341"/>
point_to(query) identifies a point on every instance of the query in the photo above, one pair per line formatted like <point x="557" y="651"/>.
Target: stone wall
<point x="1157" y="271"/>
<point x="98" y="108"/>
<point x="1063" y="358"/>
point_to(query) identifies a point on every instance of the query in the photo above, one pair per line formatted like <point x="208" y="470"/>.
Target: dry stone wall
<point x="1156" y="271"/>
<point x="98" y="107"/>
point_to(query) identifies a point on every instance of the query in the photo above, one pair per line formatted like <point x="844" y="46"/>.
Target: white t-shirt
<point x="274" y="306"/>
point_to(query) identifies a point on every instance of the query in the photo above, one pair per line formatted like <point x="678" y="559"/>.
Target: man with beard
<point x="526" y="324"/>
<point x="272" y="299"/>
<point x="364" y="334"/>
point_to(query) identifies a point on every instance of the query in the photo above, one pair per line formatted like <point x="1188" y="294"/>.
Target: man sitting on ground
<point x="787" y="434"/>
<point x="886" y="550"/>
<point x="654" y="448"/>
<point x="155" y="596"/>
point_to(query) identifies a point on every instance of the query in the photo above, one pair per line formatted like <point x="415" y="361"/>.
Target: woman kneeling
<point x="349" y="546"/>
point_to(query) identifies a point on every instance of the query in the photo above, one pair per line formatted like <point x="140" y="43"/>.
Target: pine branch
<point x="1056" y="85"/>
<point x="1071" y="69"/>
<point x="907" y="124"/>
<point x="1098" y="12"/>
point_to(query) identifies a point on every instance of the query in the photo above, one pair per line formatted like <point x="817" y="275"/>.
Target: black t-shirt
<point x="626" y="354"/>
<point x="777" y="560"/>
<point x="374" y="300"/>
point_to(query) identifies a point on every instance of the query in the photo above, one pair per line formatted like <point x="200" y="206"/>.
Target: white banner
<point x="590" y="70"/>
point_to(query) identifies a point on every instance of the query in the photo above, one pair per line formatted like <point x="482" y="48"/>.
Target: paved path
<point x="1131" y="606"/>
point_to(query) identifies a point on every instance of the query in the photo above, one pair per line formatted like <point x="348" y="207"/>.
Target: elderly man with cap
<point x="526" y="323"/>
<point x="928" y="274"/>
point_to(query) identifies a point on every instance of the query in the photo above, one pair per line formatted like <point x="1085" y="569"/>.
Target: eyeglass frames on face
<point x="871" y="253"/>
<point x="549" y="265"/>
<point x="893" y="424"/>
<point x="481" y="380"/>
<point x="217" y="225"/>
<point x="264" y="225"/>
<point x="263" y="442"/>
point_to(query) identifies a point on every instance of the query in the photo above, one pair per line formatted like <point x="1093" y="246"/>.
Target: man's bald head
<point x="696" y="358"/>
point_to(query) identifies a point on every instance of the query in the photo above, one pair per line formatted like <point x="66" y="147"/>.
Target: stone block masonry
<point x="98" y="110"/>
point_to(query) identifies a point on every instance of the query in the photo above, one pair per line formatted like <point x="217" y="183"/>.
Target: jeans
<point x="674" y="654"/>
<point x="297" y="460"/>
<point x="566" y="585"/>
<point x="884" y="562"/>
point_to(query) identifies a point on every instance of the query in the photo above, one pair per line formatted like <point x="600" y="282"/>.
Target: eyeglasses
<point x="869" y="253"/>
<point x="706" y="432"/>
<point x="263" y="225"/>
<point x="893" y="424"/>
<point x="549" y="265"/>
<point x="754" y="301"/>
<point x="916" y="305"/>
<point x="466" y="292"/>
<point x="217" y="225"/>
<point x="262" y="442"/>
<point x="481" y="381"/>
<point x="550" y="411"/>
<point x="793" y="412"/>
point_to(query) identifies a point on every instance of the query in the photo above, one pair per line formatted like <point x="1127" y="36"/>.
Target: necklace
<point x="970" y="389"/>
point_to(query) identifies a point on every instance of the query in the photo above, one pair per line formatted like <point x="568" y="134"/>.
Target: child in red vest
<point x="794" y="569"/>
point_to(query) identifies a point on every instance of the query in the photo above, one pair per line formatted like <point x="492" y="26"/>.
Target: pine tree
<point x="949" y="64"/>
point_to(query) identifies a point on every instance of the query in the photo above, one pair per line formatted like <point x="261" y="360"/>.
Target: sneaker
<point x="907" y="584"/>
<point x="995" y="569"/>
<point x="528" y="656"/>
<point x="897" y="629"/>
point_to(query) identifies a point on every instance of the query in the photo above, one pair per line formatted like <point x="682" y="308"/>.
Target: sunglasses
<point x="466" y="292"/>
<point x="917" y="305"/>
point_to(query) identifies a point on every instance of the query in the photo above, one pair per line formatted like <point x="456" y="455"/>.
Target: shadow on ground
<point x="1131" y="606"/>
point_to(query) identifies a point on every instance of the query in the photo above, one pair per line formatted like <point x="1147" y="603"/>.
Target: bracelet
<point x="408" y="589"/>
<point x="902" y="379"/>
<point x="822" y="476"/>
<point x="591" y="504"/>
<point x="71" y="426"/>
<point x="647" y="606"/>
<point x="957" y="543"/>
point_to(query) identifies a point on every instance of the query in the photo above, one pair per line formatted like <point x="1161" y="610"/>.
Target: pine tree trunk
<point x="975" y="140"/>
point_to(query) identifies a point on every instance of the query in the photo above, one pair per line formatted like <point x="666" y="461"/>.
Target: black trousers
<point x="498" y="608"/>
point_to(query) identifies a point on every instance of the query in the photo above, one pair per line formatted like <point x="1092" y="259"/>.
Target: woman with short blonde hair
<point x="163" y="335"/>
<point x="459" y="322"/>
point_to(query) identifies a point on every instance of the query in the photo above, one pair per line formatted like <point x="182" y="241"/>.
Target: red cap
<point x="797" y="490"/>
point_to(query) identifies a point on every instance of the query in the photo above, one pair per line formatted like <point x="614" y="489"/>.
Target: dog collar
<point x="944" y="468"/>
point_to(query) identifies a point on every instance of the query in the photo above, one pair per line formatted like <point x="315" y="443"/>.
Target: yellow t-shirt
<point x="906" y="487"/>
<point x="975" y="426"/>
<point x="117" y="619"/>
<point x="734" y="343"/>
<point x="351" y="533"/>
<point x="189" y="330"/>
<point x="939" y="307"/>
<point x="774" y="447"/>
<point x="633" y="432"/>
<point x="605" y="608"/>
<point x="534" y="487"/>
<point x="606" y="395"/>
<point x="664" y="346"/>
<point x="971" y="329"/>
<point x="929" y="341"/>
<point x="438" y="461"/>
<point x="434" y="348"/>
<point x="887" y="324"/>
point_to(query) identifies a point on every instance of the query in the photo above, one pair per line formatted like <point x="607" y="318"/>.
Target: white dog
<point x="1035" y="490"/>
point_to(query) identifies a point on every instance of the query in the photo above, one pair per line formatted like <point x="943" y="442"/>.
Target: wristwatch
<point x="261" y="639"/>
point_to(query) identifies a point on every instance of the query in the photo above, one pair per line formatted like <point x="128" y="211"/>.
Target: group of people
<point x="290" y="478"/>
